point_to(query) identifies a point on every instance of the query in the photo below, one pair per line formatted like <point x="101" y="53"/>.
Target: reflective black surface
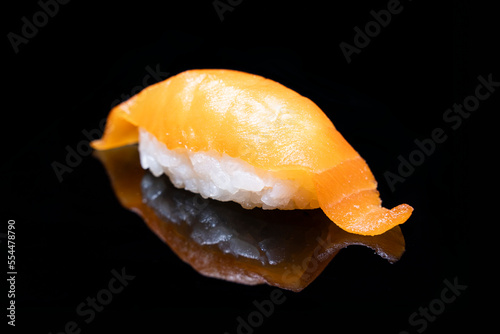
<point x="288" y="249"/>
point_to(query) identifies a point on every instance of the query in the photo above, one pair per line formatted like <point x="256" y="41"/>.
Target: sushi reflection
<point x="287" y="249"/>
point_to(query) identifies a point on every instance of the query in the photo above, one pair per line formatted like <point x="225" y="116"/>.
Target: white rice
<point x="224" y="178"/>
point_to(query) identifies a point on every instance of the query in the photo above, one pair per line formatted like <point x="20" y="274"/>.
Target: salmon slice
<point x="356" y="208"/>
<point x="265" y="124"/>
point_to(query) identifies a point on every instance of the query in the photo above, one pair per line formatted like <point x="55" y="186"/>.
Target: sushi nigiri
<point x="235" y="136"/>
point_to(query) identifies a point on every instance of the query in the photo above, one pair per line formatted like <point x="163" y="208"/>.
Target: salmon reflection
<point x="287" y="249"/>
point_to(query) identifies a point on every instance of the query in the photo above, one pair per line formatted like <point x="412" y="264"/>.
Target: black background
<point x="71" y="234"/>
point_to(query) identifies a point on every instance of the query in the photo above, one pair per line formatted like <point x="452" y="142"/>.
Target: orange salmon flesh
<point x="266" y="125"/>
